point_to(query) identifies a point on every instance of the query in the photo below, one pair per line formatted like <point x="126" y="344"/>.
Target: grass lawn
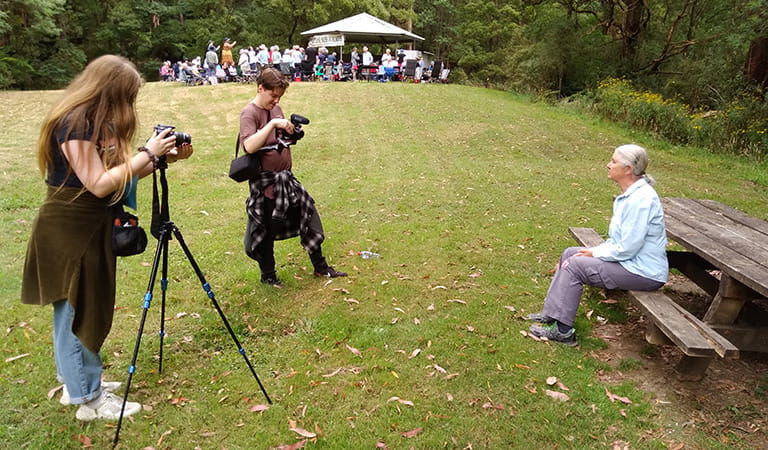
<point x="466" y="193"/>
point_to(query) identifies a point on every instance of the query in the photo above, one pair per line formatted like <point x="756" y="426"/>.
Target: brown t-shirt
<point x="252" y="119"/>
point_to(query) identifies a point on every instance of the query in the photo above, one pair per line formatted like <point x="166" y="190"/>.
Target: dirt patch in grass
<point x="730" y="405"/>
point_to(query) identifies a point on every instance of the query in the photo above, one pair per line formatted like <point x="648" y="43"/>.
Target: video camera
<point x="290" y="139"/>
<point x="181" y="137"/>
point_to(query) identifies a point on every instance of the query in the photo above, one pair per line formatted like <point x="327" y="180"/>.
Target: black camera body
<point x="298" y="133"/>
<point x="181" y="137"/>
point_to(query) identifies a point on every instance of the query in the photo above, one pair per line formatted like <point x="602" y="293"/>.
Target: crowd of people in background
<point x="295" y="62"/>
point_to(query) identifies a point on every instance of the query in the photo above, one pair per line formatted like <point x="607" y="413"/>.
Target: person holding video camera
<point x="278" y="206"/>
<point x="84" y="152"/>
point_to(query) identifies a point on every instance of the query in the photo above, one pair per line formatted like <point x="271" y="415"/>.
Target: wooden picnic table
<point x="722" y="239"/>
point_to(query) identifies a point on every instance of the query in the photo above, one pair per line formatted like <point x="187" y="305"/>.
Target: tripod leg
<point x="212" y="296"/>
<point x="162" y="247"/>
<point x="163" y="288"/>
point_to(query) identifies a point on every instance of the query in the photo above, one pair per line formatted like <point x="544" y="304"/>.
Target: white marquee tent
<point x="361" y="28"/>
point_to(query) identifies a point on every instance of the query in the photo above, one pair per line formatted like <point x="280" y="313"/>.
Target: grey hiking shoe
<point x="539" y="317"/>
<point x="553" y="334"/>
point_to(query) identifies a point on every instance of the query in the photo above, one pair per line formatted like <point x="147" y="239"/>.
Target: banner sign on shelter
<point x="327" y="40"/>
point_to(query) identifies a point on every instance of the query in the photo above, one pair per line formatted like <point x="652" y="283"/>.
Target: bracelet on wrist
<point x="152" y="157"/>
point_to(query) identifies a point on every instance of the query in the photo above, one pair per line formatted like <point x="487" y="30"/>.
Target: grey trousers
<point x="574" y="272"/>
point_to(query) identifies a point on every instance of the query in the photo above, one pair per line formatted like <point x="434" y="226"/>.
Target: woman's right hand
<point x="160" y="143"/>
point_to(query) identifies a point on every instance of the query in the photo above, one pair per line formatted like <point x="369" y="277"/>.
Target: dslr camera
<point x="298" y="133"/>
<point x="181" y="137"/>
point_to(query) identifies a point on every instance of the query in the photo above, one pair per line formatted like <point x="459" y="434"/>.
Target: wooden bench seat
<point x="670" y="323"/>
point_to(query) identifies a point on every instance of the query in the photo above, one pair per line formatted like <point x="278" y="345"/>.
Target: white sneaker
<point x="108" y="386"/>
<point x="107" y="407"/>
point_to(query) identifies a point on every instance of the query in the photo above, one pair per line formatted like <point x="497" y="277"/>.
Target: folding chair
<point x="435" y="74"/>
<point x="444" y="75"/>
<point x="410" y="69"/>
<point x="307" y="69"/>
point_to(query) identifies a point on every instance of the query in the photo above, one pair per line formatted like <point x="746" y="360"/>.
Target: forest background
<point x="690" y="71"/>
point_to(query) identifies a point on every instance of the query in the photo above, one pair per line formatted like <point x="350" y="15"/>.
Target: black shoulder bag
<point x="246" y="166"/>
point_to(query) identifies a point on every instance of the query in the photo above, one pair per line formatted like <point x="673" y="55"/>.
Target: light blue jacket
<point x="637" y="237"/>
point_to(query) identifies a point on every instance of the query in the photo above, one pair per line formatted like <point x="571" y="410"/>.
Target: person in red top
<point x="278" y="206"/>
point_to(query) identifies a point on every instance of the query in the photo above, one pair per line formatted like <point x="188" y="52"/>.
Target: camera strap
<point x="160" y="214"/>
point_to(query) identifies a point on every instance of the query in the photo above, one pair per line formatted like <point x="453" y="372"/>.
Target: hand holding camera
<point x="166" y="142"/>
<point x="286" y="137"/>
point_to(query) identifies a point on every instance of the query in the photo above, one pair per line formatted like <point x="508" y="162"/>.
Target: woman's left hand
<point x="584" y="252"/>
<point x="183" y="151"/>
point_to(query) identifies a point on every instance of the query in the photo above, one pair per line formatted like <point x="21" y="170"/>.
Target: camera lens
<point x="182" y="138"/>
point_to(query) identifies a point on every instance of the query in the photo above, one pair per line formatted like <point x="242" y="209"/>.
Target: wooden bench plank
<point x="659" y="308"/>
<point x="694" y="337"/>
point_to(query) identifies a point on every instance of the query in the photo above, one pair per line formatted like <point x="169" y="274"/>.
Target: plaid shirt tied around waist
<point x="290" y="197"/>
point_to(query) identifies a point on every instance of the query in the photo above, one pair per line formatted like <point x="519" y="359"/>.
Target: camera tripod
<point x="162" y="228"/>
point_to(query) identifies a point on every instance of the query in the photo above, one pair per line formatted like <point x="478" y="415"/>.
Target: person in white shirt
<point x="633" y="258"/>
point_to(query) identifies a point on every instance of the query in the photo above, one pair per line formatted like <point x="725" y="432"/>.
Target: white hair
<point x="636" y="157"/>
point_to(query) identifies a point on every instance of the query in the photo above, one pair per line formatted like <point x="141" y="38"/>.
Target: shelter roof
<point x="365" y="28"/>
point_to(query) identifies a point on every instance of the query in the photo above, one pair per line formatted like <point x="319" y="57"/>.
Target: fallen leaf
<point x="84" y="440"/>
<point x="557" y="395"/>
<point x="416" y="321"/>
<point x="351" y="300"/>
<point x="295" y="446"/>
<point x="475" y="275"/>
<point x="354" y="351"/>
<point x="335" y="372"/>
<point x="53" y="391"/>
<point x="511" y="308"/>
<point x="562" y="386"/>
<point x="302" y="432"/>
<point x="400" y="310"/>
<point x="491" y="405"/>
<point x="470" y="328"/>
<point x="431" y="307"/>
<point x="457" y="300"/>
<point x="551" y="380"/>
<point x="523" y="366"/>
<point x="400" y="400"/>
<point x="381" y="445"/>
<point x="412" y="433"/>
<point x="608" y="301"/>
<point x="414" y="353"/>
<point x="613" y="397"/>
<point x="14" y="358"/>
<point x="439" y="287"/>
<point x="259" y="408"/>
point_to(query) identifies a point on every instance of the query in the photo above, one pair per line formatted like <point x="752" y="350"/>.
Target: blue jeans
<point x="76" y="366"/>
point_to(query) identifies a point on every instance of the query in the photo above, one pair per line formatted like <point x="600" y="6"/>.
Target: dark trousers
<point x="266" y="248"/>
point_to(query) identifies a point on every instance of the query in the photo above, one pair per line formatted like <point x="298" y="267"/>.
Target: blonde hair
<point x="636" y="157"/>
<point x="100" y="100"/>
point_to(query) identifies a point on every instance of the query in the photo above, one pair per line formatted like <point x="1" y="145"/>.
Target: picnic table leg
<point x="728" y="302"/>
<point x="692" y="368"/>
